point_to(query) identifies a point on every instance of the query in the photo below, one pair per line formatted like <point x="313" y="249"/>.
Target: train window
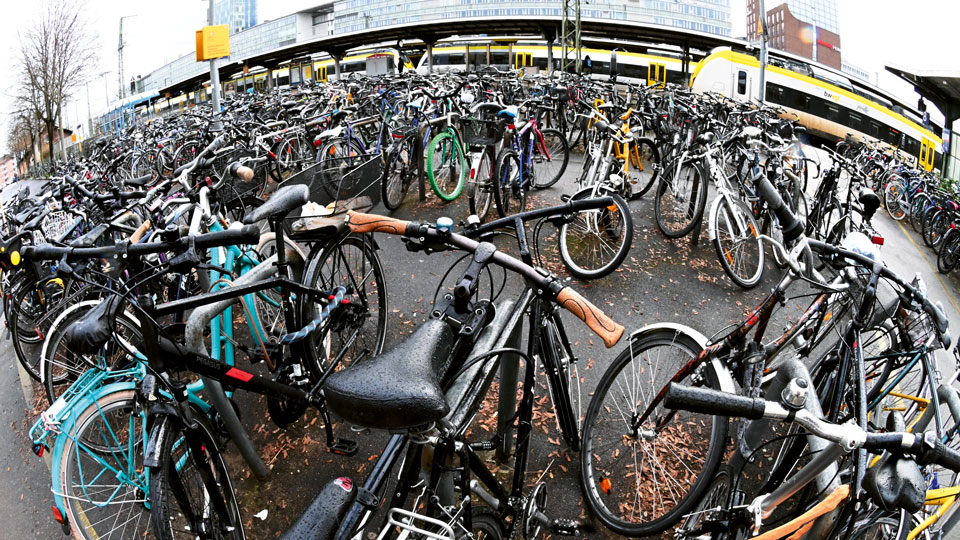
<point x="832" y="112"/>
<point x="499" y="57"/>
<point x="478" y="58"/>
<point x="634" y="71"/>
<point x="742" y="82"/>
<point x="540" y="62"/>
<point x="855" y="121"/>
<point x="776" y="94"/>
<point x="457" y="59"/>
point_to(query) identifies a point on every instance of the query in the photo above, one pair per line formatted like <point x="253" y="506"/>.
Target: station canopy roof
<point x="940" y="86"/>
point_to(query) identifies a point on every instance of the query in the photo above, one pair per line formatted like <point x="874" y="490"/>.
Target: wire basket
<point x="481" y="132"/>
<point x="916" y="326"/>
<point x="339" y="179"/>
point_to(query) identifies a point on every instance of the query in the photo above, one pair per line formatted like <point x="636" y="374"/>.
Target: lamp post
<point x="214" y="78"/>
<point x="120" y="55"/>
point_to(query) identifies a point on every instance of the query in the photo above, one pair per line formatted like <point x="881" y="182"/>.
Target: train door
<point x="656" y="74"/>
<point x="522" y="60"/>
<point x="322" y="73"/>
<point x="925" y="159"/>
<point x="742" y="82"/>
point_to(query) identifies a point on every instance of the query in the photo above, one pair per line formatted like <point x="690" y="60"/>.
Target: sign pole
<point x="762" y="16"/>
<point x="214" y="78"/>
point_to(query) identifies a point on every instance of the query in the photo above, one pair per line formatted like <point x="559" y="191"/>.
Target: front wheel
<point x="895" y="200"/>
<point x="736" y="238"/>
<point x="399" y="172"/>
<point x="595" y="242"/>
<point x="181" y="492"/>
<point x="644" y="167"/>
<point x="445" y="166"/>
<point x="681" y="197"/>
<point x="480" y="188"/>
<point x="641" y="479"/>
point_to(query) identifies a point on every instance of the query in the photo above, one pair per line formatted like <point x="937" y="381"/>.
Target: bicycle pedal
<point x="344" y="447"/>
<point x="569" y="527"/>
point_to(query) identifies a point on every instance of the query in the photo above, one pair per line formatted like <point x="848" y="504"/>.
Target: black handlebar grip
<point x="249" y="234"/>
<point x="792" y="228"/>
<point x="933" y="450"/>
<point x="715" y="402"/>
<point x="130" y="195"/>
<point x="43" y="252"/>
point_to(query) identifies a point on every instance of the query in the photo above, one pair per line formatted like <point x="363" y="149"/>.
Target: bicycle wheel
<point x="920" y="202"/>
<point x="891" y="527"/>
<point x="181" y="502"/>
<point x="360" y="325"/>
<point x="934" y="228"/>
<point x="595" y="242"/>
<point x="61" y="365"/>
<point x="291" y="156"/>
<point x="736" y="238"/>
<point x="480" y="188"/>
<point x="509" y="194"/>
<point x="335" y="158"/>
<point x="894" y="197"/>
<point x="681" y="197"/>
<point x="950" y="252"/>
<point x="644" y="167"/>
<point x="107" y="445"/>
<point x="34" y="307"/>
<point x="445" y="166"/>
<point x="550" y="158"/>
<point x="641" y="480"/>
<point x="186" y="153"/>
<point x="399" y="172"/>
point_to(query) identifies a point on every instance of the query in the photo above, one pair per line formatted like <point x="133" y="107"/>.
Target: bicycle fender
<point x="723" y="372"/>
<point x="714" y="207"/>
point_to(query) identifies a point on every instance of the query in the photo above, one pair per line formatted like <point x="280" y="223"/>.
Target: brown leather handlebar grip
<point x="364" y="223"/>
<point x="245" y="173"/>
<point x="141" y="230"/>
<point x="598" y="321"/>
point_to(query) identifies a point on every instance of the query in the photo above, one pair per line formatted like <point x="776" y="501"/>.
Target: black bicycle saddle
<point x="399" y="389"/>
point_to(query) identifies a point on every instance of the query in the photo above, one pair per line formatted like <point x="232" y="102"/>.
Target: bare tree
<point x="56" y="55"/>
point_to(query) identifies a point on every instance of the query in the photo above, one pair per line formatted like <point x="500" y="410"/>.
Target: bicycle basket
<point x="481" y="132"/>
<point x="916" y="326"/>
<point x="336" y="179"/>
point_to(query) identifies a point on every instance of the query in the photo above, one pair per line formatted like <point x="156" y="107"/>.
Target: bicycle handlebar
<point x="606" y="328"/>
<point x="927" y="447"/>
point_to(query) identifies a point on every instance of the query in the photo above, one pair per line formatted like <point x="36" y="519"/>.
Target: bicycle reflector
<point x="877" y="239"/>
<point x="39" y="449"/>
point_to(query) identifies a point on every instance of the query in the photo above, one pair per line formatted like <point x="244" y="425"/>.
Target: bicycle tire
<point x="480" y="188"/>
<point x="448" y="184"/>
<point x="398" y="174"/>
<point x="509" y="195"/>
<point x="85" y="521"/>
<point x="554" y="144"/>
<point x="602" y="484"/>
<point x="949" y="253"/>
<point x="593" y="228"/>
<point x="934" y="228"/>
<point x="734" y="246"/>
<point x="167" y="513"/>
<point x="920" y="202"/>
<point x="893" y="198"/>
<point x="36" y="325"/>
<point x="330" y="178"/>
<point x="351" y="261"/>
<point x="644" y="167"/>
<point x="669" y="203"/>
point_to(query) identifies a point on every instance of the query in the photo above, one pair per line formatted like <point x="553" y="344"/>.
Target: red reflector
<point x="57" y="515"/>
<point x="511" y="126"/>
<point x="473" y="173"/>
<point x="159" y="145"/>
<point x="345" y="301"/>
<point x="878" y="240"/>
<point x="239" y="374"/>
<point x="272" y="155"/>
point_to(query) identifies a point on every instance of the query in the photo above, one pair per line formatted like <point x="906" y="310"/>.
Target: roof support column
<point x="336" y="65"/>
<point x="550" y="57"/>
<point x="466" y="57"/>
<point x="430" y="57"/>
<point x="269" y="79"/>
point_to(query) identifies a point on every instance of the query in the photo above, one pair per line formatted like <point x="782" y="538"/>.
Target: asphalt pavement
<point x="661" y="280"/>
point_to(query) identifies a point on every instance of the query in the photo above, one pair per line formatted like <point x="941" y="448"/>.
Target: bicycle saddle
<point x="896" y="482"/>
<point x="139" y="182"/>
<point x="399" y="389"/>
<point x="869" y="201"/>
<point x="90" y="332"/>
<point x="281" y="203"/>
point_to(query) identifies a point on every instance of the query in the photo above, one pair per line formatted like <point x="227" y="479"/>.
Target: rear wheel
<point x="445" y="166"/>
<point x="895" y="200"/>
<point x="550" y="158"/>
<point x="509" y="194"/>
<point x="480" y="187"/>
<point x="398" y="174"/>
<point x="949" y="253"/>
<point x="644" y="167"/>
<point x="641" y="479"/>
<point x="917" y="206"/>
<point x="595" y="242"/>
<point x="680" y="200"/>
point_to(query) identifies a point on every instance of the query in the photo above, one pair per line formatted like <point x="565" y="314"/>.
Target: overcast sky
<point x="915" y="33"/>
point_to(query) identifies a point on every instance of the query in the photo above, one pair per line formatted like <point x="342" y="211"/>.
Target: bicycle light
<point x="444" y="224"/>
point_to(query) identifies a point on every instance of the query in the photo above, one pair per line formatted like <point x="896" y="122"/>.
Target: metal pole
<point x="550" y="57"/>
<point x="763" y="50"/>
<point x="214" y="78"/>
<point x="429" y="57"/>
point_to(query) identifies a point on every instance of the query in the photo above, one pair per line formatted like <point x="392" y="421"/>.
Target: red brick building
<point x="811" y="33"/>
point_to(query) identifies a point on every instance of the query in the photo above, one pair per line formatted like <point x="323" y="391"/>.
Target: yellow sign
<point x="213" y="42"/>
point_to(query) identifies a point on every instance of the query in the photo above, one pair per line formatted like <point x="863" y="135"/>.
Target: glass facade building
<point x="239" y="14"/>
<point x="712" y="16"/>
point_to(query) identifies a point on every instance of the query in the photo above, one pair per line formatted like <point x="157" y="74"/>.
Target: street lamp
<point x="120" y="55"/>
